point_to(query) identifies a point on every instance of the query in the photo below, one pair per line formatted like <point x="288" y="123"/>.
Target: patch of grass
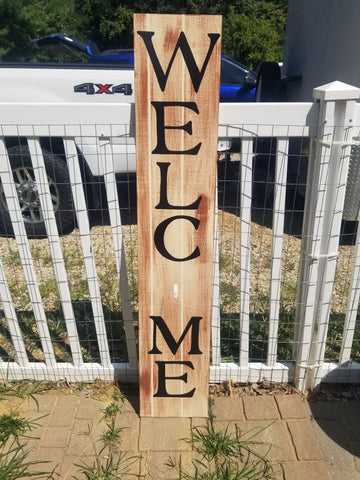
<point x="48" y="289"/>
<point x="111" y="436"/>
<point x="14" y="426"/>
<point x="80" y="291"/>
<point x="114" y="468"/>
<point x="230" y="295"/>
<point x="258" y="333"/>
<point x="23" y="389"/>
<point x="335" y="337"/>
<point x="57" y="327"/>
<point x="13" y="257"/>
<point x="225" y="261"/>
<point x="72" y="258"/>
<point x="46" y="260"/>
<point x="109" y="289"/>
<point x="224" y="456"/>
<point x="14" y="463"/>
<point x="289" y="293"/>
<point x="35" y="251"/>
<point x="114" y="465"/>
<point x="134" y="292"/>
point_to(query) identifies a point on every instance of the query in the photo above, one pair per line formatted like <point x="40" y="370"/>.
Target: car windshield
<point x="233" y="73"/>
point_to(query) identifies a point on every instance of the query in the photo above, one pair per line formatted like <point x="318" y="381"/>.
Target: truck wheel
<point x="28" y="195"/>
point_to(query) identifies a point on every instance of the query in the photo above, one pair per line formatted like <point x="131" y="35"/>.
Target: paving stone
<point x="291" y="406"/>
<point x="345" y="414"/>
<point x="306" y="445"/>
<point x="261" y="408"/>
<point x="306" y="471"/>
<point x="130" y="465"/>
<point x="278" y="471"/>
<point x="70" y="467"/>
<point x="73" y="465"/>
<point x="40" y="422"/>
<point x="93" y="428"/>
<point x="230" y="426"/>
<point x="81" y="440"/>
<point x="11" y="404"/>
<point x="33" y="445"/>
<point x="33" y="448"/>
<point x="198" y="422"/>
<point x="52" y="458"/>
<point x="355" y="450"/>
<point x="333" y="432"/>
<point x="56" y="437"/>
<point x="131" y="404"/>
<point x="45" y="404"/>
<point x="336" y="450"/>
<point x="322" y="410"/>
<point x="164" y="434"/>
<point x="348" y="414"/>
<point x="271" y="439"/>
<point x="129" y="437"/>
<point x="64" y="411"/>
<point x="155" y="465"/>
<point x="90" y="409"/>
<point x="69" y="435"/>
<point x="356" y="458"/>
<point x="228" y="408"/>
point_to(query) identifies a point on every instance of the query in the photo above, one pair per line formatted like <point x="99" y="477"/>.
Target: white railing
<point x="331" y="125"/>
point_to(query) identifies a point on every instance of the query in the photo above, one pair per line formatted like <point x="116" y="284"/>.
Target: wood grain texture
<point x="176" y="199"/>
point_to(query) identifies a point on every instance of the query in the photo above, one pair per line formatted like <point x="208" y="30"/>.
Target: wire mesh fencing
<point x="284" y="304"/>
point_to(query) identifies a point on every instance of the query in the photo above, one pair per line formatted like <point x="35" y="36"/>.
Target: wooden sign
<point x="177" y="83"/>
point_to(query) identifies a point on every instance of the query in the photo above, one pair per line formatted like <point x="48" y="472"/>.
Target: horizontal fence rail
<point x="286" y="269"/>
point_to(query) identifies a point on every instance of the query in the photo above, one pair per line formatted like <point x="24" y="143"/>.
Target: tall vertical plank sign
<point x="177" y="82"/>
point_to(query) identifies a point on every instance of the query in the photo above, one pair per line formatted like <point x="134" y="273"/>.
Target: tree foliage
<point x="24" y="20"/>
<point x="109" y="26"/>
<point x="252" y="39"/>
<point x="253" y="30"/>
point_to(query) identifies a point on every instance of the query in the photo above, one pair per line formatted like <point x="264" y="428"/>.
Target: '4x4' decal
<point x="107" y="88"/>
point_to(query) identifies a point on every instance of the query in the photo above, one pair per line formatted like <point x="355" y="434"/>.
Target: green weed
<point x="114" y="468"/>
<point x="13" y="258"/>
<point x="115" y="464"/>
<point x="23" y="389"/>
<point x="110" y="437"/>
<point x="224" y="456"/>
<point x="48" y="289"/>
<point x="14" y="426"/>
<point x="14" y="463"/>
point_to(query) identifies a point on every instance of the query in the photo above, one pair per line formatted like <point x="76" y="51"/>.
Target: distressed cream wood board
<point x="177" y="82"/>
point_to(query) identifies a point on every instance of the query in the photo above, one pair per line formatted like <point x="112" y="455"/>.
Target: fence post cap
<point x="336" y="91"/>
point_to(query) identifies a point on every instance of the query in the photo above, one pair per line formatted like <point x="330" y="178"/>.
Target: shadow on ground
<point x="335" y="409"/>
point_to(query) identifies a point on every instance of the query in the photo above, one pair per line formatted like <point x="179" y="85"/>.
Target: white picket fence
<point x="332" y="123"/>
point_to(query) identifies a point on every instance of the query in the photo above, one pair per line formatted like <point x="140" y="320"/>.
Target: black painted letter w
<point x="182" y="44"/>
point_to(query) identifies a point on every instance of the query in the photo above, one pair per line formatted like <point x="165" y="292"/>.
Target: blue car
<point x="237" y="82"/>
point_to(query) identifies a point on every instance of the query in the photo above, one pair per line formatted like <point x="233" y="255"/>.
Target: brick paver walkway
<point x="71" y="426"/>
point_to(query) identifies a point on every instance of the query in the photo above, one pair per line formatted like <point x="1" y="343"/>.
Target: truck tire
<point x="24" y="178"/>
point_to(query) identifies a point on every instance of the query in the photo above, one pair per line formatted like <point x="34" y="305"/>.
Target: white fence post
<point x="277" y="246"/>
<point x="26" y="258"/>
<point x="245" y="244"/>
<point x="215" y="311"/>
<point x="326" y="184"/>
<point x="87" y="248"/>
<point x="119" y="250"/>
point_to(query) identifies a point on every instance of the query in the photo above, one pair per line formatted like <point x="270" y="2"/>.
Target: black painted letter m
<point x="173" y="345"/>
